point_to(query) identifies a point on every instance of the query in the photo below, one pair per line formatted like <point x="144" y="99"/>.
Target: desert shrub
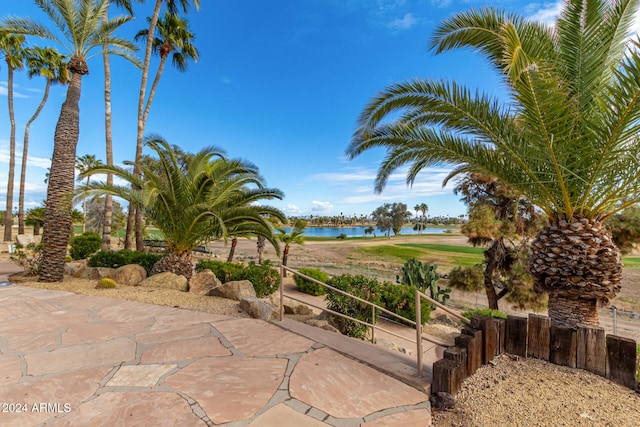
<point x="264" y="278"/>
<point x="84" y="245"/>
<point x="469" y="279"/>
<point x="401" y="299"/>
<point x="115" y="259"/>
<point x="360" y="286"/>
<point x="29" y="257"/>
<point x="484" y="312"/>
<point x="106" y="283"/>
<point x="309" y="287"/>
<point x="341" y="236"/>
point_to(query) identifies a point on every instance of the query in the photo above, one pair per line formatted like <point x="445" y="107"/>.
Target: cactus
<point x="106" y="284"/>
<point x="424" y="277"/>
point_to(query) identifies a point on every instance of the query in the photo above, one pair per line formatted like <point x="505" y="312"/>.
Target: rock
<point x="24" y="239"/>
<point x="236" y="290"/>
<point x="322" y="324"/>
<point x="97" y="273"/>
<point x="203" y="283"/>
<point x="73" y="268"/>
<point x="291" y="307"/>
<point x="129" y="275"/>
<point x="258" y="309"/>
<point x="442" y="400"/>
<point x="167" y="280"/>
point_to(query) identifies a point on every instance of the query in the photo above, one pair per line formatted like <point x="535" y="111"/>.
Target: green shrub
<point x="264" y="278"/>
<point x="309" y="287"/>
<point x="360" y="286"/>
<point x="106" y="284"/>
<point x="470" y="279"/>
<point x="341" y="236"/>
<point x="84" y="245"/>
<point x="115" y="259"/>
<point x="401" y="299"/>
<point x="484" y="312"/>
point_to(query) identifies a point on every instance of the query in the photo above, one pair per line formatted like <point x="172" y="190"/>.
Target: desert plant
<point x="224" y="271"/>
<point x="309" y="287"/>
<point x="29" y="257"/>
<point x="484" y="312"/>
<point x="401" y="299"/>
<point x="84" y="245"/>
<point x="341" y="236"/>
<point x="264" y="278"/>
<point x="106" y="283"/>
<point x="360" y="286"/>
<point x="470" y="279"/>
<point x="424" y="277"/>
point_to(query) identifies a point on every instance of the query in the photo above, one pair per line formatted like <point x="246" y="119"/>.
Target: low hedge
<point x="309" y="287"/>
<point x="115" y="259"/>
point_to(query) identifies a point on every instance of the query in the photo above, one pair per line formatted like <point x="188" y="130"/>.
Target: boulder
<point x="291" y="307"/>
<point x="129" y="275"/>
<point x="322" y="324"/>
<point x="166" y="280"/>
<point x="442" y="400"/>
<point x="74" y="268"/>
<point x="203" y="283"/>
<point x="258" y="309"/>
<point x="95" y="273"/>
<point x="25" y="239"/>
<point x="236" y="290"/>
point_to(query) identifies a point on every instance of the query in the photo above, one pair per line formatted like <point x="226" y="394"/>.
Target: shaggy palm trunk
<point x="8" y="214"/>
<point x="177" y="263"/>
<point x="108" y="200"/>
<point x="285" y="257"/>
<point x="57" y="217"/>
<point x="579" y="266"/>
<point x="260" y="245"/>
<point x="232" y="251"/>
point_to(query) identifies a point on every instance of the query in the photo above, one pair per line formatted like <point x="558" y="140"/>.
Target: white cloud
<point x="4" y="91"/>
<point x="322" y="207"/>
<point x="546" y="12"/>
<point x="403" y="23"/>
<point x="292" y="210"/>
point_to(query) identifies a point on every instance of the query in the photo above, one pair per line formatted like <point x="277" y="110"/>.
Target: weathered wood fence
<point x="587" y="348"/>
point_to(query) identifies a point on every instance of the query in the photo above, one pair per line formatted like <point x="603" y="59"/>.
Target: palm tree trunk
<point x="131" y="218"/>
<point x="568" y="312"/>
<point x="57" y="217"/>
<point x="108" y="201"/>
<point x="8" y="215"/>
<point x="260" y="244"/>
<point x="232" y="251"/>
<point x="25" y="152"/>
<point x="177" y="263"/>
<point x="285" y="258"/>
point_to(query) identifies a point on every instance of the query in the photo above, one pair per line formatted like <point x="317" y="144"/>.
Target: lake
<point x="359" y="231"/>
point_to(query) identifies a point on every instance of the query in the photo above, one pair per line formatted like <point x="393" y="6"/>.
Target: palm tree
<point x="108" y="201"/>
<point x="567" y="140"/>
<point x="45" y="62"/>
<point x="12" y="47"/>
<point x="293" y="237"/>
<point x="260" y="244"/>
<point x="193" y="200"/>
<point x="172" y="6"/>
<point x="35" y="217"/>
<point x="84" y="164"/>
<point x="80" y="21"/>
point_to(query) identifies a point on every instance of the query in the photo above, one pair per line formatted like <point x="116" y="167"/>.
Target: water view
<point x="359" y="231"/>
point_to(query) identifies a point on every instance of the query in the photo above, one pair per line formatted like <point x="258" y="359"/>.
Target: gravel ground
<point x="529" y="392"/>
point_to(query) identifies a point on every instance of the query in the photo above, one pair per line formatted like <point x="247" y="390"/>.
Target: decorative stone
<point x="258" y="309"/>
<point x="167" y="280"/>
<point x="235" y="290"/>
<point x="73" y="268"/>
<point x="322" y="324"/>
<point x="442" y="400"/>
<point x="203" y="283"/>
<point x="296" y="308"/>
<point x="129" y="275"/>
<point x="97" y="273"/>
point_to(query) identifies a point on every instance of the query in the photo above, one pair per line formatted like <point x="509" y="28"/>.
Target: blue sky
<point x="280" y="83"/>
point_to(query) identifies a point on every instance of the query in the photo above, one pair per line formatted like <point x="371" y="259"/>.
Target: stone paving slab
<point x="107" y="362"/>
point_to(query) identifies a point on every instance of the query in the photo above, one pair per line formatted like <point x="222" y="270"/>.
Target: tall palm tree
<point x="80" y="22"/>
<point x="84" y="164"/>
<point x="108" y="201"/>
<point x="11" y="45"/>
<point x="172" y="6"/>
<point x="293" y="237"/>
<point x="193" y="200"/>
<point x="567" y="139"/>
<point x="44" y="62"/>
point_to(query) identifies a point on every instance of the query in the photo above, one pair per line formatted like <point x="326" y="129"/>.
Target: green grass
<point x="445" y="248"/>
<point x="631" y="262"/>
<point x="445" y="257"/>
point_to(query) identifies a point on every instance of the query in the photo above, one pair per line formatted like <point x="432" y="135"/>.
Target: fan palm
<point x="80" y="22"/>
<point x="11" y="45"/>
<point x="44" y="62"/>
<point x="293" y="237"/>
<point x="566" y="139"/>
<point x="193" y="199"/>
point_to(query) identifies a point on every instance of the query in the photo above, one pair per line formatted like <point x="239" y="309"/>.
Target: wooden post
<point x="489" y="336"/>
<point x="538" y="337"/>
<point x="501" y="327"/>
<point x="446" y="376"/>
<point x="473" y="347"/>
<point x="475" y="353"/>
<point x="621" y="361"/>
<point x="516" y="339"/>
<point x="458" y="355"/>
<point x="591" y="352"/>
<point x="563" y="346"/>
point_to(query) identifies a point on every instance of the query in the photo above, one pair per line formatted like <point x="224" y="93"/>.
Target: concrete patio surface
<point x="76" y="360"/>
